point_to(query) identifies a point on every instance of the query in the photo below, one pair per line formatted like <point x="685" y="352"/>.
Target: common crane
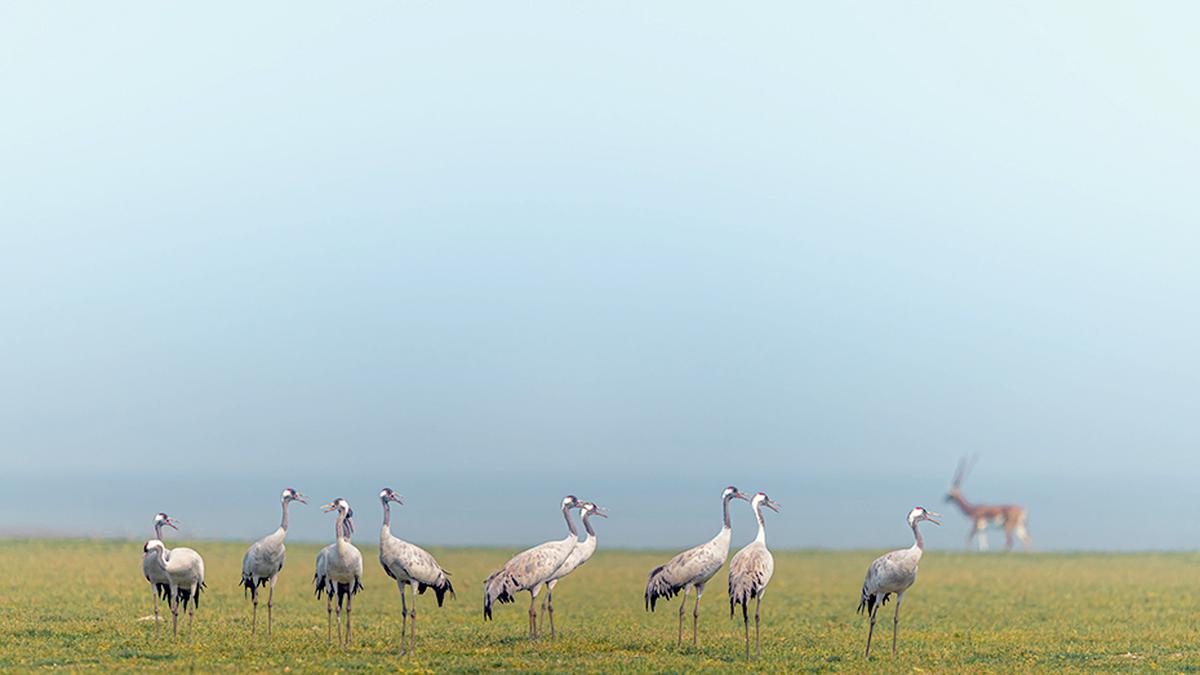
<point x="409" y="564"/>
<point x="894" y="572"/>
<point x="264" y="560"/>
<point x="750" y="571"/>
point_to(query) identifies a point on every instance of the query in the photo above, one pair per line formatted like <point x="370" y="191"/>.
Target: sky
<point x="488" y="254"/>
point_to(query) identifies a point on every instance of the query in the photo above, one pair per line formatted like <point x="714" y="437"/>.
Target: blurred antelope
<point x="1009" y="516"/>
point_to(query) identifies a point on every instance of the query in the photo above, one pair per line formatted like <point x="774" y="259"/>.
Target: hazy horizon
<point x="490" y="255"/>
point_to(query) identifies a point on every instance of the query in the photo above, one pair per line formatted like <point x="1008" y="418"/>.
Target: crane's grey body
<point x="339" y="570"/>
<point x="409" y="564"/>
<point x="184" y="569"/>
<point x="893" y="572"/>
<point x="152" y="567"/>
<point x="528" y="570"/>
<point x="692" y="569"/>
<point x="750" y="571"/>
<point x="579" y="555"/>
<point x="264" y="560"/>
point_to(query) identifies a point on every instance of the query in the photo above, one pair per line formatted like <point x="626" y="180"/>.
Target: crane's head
<point x="590" y="509"/>
<point x="763" y="500"/>
<point x="152" y="546"/>
<point x="389" y="495"/>
<point x="290" y="495"/>
<point x="342" y="507"/>
<point x="164" y="519"/>
<point x="918" y="514"/>
<point x="733" y="493"/>
<point x="571" y="502"/>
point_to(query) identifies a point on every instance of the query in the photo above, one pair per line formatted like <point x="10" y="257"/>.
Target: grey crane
<point x="528" y="570"/>
<point x="894" y="572"/>
<point x="692" y="569"/>
<point x="152" y="570"/>
<point x="185" y="578"/>
<point x="750" y="571"/>
<point x="409" y="564"/>
<point x="578" y="557"/>
<point x="264" y="561"/>
<point x="339" y="569"/>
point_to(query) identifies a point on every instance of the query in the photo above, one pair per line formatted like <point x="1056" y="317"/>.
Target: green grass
<point x="79" y="604"/>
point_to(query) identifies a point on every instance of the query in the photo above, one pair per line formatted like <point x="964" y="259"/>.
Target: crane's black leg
<point x="896" y="622"/>
<point x="696" y="616"/>
<point x="757" y="644"/>
<point x="173" y="601"/>
<point x="871" y="631"/>
<point x="341" y="597"/>
<point x="403" y="617"/>
<point x="682" y="605"/>
<point x="329" y="619"/>
<point x="533" y="613"/>
<point x="542" y="614"/>
<point x="254" y="601"/>
<point x="154" y="590"/>
<point x="746" y="626"/>
<point x="349" y="627"/>
<point x="550" y="608"/>
<point x="271" y="602"/>
<point x="412" y="615"/>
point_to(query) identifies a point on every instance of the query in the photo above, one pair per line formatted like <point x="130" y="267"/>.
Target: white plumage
<point x="528" y="570"/>
<point x="409" y="564"/>
<point x="891" y="573"/>
<point x="692" y="569"/>
<point x="750" y="571"/>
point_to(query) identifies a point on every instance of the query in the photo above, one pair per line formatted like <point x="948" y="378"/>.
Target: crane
<point x="894" y="572"/>
<point x="264" y="560"/>
<point x="578" y="557"/>
<point x="340" y="569"/>
<point x="750" y="571"/>
<point x="152" y="570"/>
<point x="185" y="578"/>
<point x="409" y="564"/>
<point x="692" y="569"/>
<point x="528" y="570"/>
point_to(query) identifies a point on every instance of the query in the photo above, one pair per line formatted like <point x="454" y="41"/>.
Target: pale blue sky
<point x="489" y="254"/>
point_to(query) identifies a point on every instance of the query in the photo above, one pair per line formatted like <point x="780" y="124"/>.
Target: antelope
<point x="1009" y="516"/>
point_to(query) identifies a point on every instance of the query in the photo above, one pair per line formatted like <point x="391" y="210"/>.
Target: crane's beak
<point x="328" y="507"/>
<point x="300" y="498"/>
<point x="172" y="522"/>
<point x="930" y="513"/>
<point x="741" y="495"/>
<point x="600" y="511"/>
<point x="771" y="504"/>
<point x="399" y="499"/>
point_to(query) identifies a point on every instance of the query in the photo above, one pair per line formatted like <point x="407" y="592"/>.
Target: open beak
<point x="328" y="507"/>
<point x="772" y="504"/>
<point x="172" y="522"/>
<point x="399" y="499"/>
<point x="301" y="498"/>
<point x="600" y="511"/>
<point x="930" y="513"/>
<point x="741" y="495"/>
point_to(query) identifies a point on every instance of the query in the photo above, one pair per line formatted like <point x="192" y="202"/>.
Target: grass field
<point x="81" y="604"/>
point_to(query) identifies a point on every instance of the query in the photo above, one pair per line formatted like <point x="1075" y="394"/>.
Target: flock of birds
<point x="177" y="575"/>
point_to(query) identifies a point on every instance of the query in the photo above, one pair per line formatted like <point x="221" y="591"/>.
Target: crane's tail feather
<point x="658" y="586"/>
<point x="869" y="600"/>
<point x="441" y="589"/>
<point x="499" y="587"/>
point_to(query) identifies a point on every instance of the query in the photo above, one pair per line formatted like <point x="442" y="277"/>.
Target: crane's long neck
<point x="158" y="530"/>
<point x="283" y="522"/>
<point x="762" y="525"/>
<point x="387" y="517"/>
<point x="338" y="530"/>
<point x="728" y="525"/>
<point x="920" y="543"/>
<point x="570" y="523"/>
<point x="587" y="524"/>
